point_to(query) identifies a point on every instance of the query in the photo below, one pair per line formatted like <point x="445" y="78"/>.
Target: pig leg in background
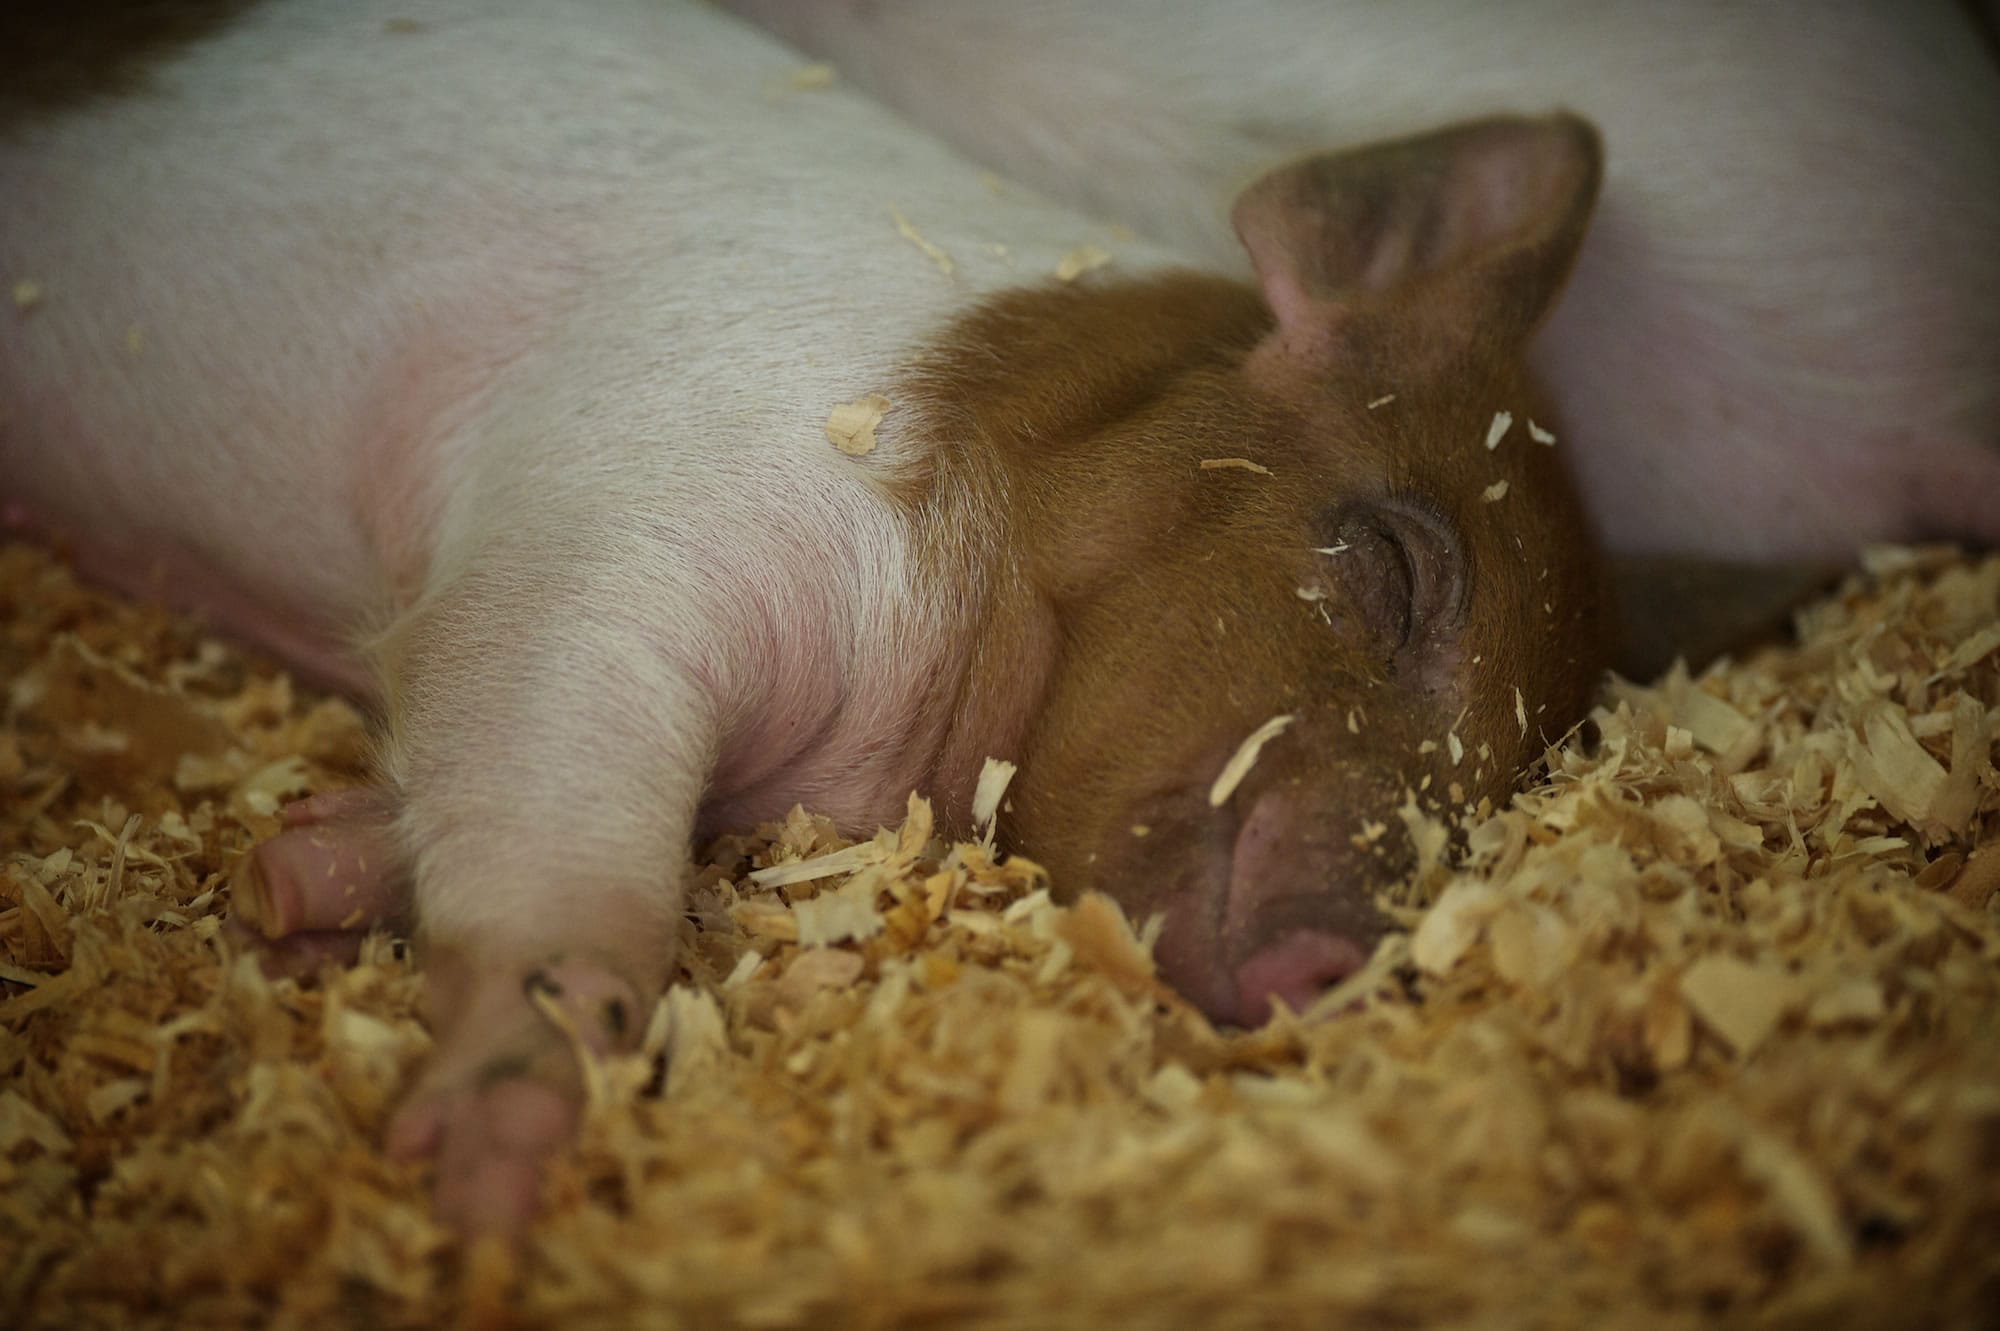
<point x="308" y="896"/>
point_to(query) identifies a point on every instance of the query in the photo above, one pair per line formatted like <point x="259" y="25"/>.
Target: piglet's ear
<point x="1472" y="228"/>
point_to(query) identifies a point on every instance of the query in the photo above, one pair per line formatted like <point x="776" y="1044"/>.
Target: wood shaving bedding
<point x="1699" y="1031"/>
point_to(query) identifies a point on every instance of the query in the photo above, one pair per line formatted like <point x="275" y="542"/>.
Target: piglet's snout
<point x="1299" y="915"/>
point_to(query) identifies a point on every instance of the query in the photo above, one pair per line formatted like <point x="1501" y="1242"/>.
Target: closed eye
<point x="1400" y="570"/>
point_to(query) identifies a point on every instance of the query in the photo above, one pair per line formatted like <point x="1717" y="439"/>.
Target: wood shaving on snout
<point x="1697" y="1030"/>
<point x="1240" y="762"/>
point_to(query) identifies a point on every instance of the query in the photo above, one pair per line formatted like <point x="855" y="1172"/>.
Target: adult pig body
<point x="1783" y="336"/>
<point x="479" y="356"/>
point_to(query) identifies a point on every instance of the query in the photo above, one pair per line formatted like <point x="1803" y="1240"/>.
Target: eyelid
<point x="1433" y="553"/>
<point x="1452" y="599"/>
<point x="1409" y="499"/>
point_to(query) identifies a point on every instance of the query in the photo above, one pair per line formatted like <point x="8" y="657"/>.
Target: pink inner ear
<point x="1286" y="295"/>
<point x="1390" y="262"/>
<point x="1496" y="208"/>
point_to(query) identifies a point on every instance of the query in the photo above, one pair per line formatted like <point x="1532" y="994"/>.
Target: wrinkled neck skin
<point x="996" y="469"/>
<point x="899" y="676"/>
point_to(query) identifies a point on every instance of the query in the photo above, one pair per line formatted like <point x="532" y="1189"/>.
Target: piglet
<point x="657" y="443"/>
<point x="1783" y="338"/>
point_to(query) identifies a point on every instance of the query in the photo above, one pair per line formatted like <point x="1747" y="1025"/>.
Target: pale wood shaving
<point x="850" y="426"/>
<point x="994" y="776"/>
<point x="1740" y="1002"/>
<point x="812" y="78"/>
<point x="908" y="231"/>
<point x="1245" y="758"/>
<point x="1081" y="260"/>
<point x="1696" y="1030"/>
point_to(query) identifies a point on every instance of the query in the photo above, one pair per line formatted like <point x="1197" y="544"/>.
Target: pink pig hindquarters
<point x="467" y="327"/>
<point x="1783" y="336"/>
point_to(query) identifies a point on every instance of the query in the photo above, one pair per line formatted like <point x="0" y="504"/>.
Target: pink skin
<point x="1294" y="971"/>
<point x="309" y="894"/>
<point x="1268" y="905"/>
<point x="1775" y="359"/>
<point x="327" y="879"/>
<point x="156" y="572"/>
<point x="1301" y="942"/>
<point x="300" y="956"/>
<point x="504" y="1090"/>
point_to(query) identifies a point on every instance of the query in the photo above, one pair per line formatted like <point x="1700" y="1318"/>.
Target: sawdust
<point x="1698" y="1032"/>
<point x="908" y="231"/>
<point x="1245" y="758"/>
<point x="850" y="426"/>
<point x="1081" y="260"/>
<point x="1237" y="464"/>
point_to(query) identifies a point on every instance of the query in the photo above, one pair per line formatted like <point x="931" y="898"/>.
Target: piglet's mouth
<point x="1260" y="909"/>
<point x="1294" y="970"/>
<point x="1293" y="949"/>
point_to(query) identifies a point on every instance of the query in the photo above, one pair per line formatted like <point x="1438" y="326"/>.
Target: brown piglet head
<point x="1317" y="512"/>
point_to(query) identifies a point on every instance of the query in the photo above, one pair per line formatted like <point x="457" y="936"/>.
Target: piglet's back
<point x="277" y="276"/>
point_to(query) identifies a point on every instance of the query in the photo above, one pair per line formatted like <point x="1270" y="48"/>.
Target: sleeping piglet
<point x="1783" y="338"/>
<point x="657" y="443"/>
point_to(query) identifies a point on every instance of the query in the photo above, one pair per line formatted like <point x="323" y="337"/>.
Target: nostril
<point x="1296" y="969"/>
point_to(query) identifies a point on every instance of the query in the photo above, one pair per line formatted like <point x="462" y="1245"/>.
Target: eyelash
<point x="1416" y="501"/>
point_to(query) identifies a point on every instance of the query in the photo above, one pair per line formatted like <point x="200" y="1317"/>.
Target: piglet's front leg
<point x="504" y="1089"/>
<point x="549" y="749"/>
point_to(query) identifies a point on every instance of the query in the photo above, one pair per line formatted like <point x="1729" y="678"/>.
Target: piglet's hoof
<point x="309" y="894"/>
<point x="489" y="1141"/>
<point x="505" y="1089"/>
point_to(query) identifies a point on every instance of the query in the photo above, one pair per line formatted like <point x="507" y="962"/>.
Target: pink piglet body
<point x="658" y="440"/>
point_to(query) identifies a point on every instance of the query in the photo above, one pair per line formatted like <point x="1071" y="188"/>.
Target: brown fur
<point x="1171" y="592"/>
<point x="1366" y="566"/>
